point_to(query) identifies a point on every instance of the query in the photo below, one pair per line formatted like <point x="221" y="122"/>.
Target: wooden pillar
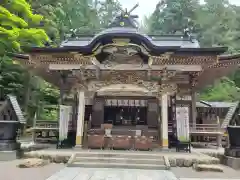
<point x="60" y="101"/>
<point x="34" y="131"/>
<point x="194" y="110"/>
<point x="173" y="115"/>
<point x="152" y="113"/>
<point x="219" y="136"/>
<point x="164" y="121"/>
<point x="80" y="118"/>
<point x="75" y="111"/>
<point x="98" y="112"/>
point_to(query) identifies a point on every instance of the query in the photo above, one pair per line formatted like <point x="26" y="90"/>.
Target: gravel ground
<point x="228" y="173"/>
<point x="9" y="171"/>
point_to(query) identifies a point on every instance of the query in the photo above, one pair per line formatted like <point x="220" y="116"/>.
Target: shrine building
<point x="140" y="87"/>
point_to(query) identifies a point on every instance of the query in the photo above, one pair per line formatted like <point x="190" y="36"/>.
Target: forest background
<point x="26" y="23"/>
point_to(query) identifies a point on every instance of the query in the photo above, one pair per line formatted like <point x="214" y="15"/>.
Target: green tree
<point x="19" y="26"/>
<point x="215" y="23"/>
<point x="172" y="16"/>
<point x="222" y="90"/>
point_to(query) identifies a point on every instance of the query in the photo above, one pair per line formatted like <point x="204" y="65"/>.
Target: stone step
<point x="138" y="160"/>
<point x="117" y="165"/>
<point x="127" y="154"/>
<point x="208" y="167"/>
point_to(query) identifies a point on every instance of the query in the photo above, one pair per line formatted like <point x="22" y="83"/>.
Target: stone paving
<point x="79" y="173"/>
<point x="205" y="179"/>
<point x="10" y="171"/>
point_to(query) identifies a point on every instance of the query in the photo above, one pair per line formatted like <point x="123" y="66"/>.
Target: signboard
<point x="182" y="117"/>
<point x="125" y="102"/>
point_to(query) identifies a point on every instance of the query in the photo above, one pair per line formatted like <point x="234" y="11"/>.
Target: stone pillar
<point x="80" y="119"/>
<point x="164" y="127"/>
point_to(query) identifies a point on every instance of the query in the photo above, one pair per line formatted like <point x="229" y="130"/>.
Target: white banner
<point x="182" y="117"/>
<point x="65" y="116"/>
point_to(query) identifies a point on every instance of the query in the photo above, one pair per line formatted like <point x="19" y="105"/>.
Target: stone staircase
<point x="17" y="108"/>
<point x="229" y="115"/>
<point x="121" y="159"/>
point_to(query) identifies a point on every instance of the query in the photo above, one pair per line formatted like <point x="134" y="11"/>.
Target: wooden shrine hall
<point x="127" y="87"/>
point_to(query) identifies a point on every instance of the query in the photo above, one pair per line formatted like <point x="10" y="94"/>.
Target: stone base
<point x="32" y="162"/>
<point x="9" y="145"/>
<point x="78" y="147"/>
<point x="232" y="162"/>
<point x="7" y="155"/>
<point x="208" y="167"/>
<point x="232" y="152"/>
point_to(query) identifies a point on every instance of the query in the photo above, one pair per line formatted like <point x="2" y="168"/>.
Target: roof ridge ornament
<point x="125" y="19"/>
<point x="188" y="34"/>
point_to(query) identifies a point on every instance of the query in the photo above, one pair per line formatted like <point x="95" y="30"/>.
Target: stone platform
<point x="174" y="159"/>
<point x="9" y="145"/>
<point x="232" y="162"/>
<point x="115" y="159"/>
<point x="7" y="155"/>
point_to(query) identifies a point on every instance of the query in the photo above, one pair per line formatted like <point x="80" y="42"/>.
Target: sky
<point x="146" y="7"/>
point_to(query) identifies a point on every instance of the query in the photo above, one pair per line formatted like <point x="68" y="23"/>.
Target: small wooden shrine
<point x="140" y="88"/>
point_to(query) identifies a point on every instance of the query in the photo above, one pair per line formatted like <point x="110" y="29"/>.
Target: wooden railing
<point x="205" y="128"/>
<point x="46" y="124"/>
<point x="49" y="125"/>
<point x="202" y="128"/>
<point x="194" y="128"/>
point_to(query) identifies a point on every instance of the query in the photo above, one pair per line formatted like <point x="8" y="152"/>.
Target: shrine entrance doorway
<point x="121" y="114"/>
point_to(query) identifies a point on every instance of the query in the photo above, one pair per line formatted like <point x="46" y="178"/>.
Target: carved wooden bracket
<point x="162" y="75"/>
<point x="169" y="88"/>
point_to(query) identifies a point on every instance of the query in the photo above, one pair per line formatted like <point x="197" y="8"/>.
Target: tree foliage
<point x="215" y="23"/>
<point x="19" y="26"/>
<point x="23" y="24"/>
<point x="35" y="22"/>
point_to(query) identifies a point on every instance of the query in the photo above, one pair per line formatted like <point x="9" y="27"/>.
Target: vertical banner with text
<point x="182" y="117"/>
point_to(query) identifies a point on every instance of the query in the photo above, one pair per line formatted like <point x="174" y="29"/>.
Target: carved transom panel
<point x="126" y="77"/>
<point x="97" y="85"/>
<point x="114" y="60"/>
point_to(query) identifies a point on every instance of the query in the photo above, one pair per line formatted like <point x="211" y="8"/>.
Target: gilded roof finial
<point x="125" y="19"/>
